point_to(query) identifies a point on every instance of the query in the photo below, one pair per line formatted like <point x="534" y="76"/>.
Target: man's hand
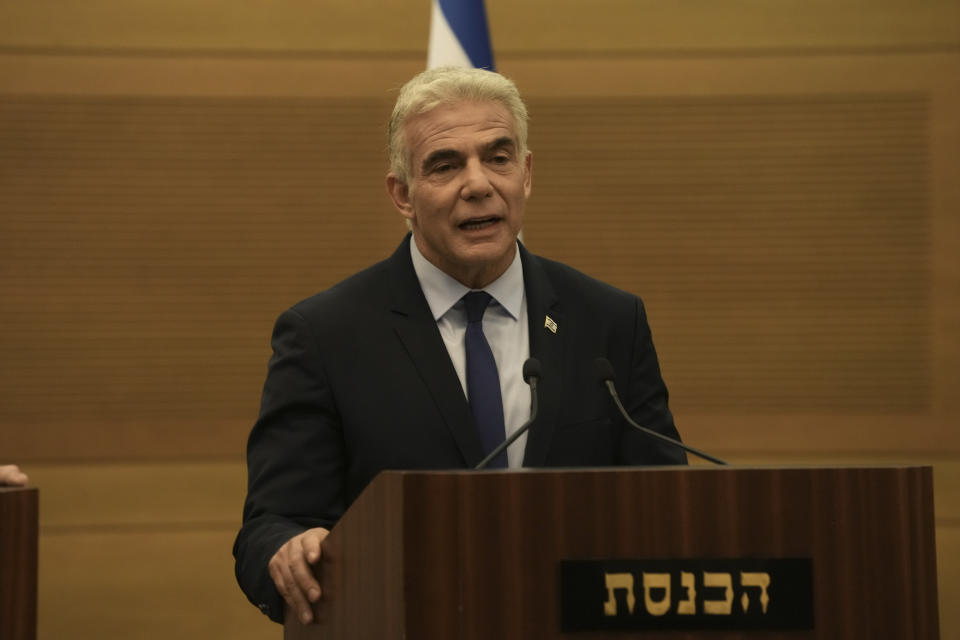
<point x="11" y="474"/>
<point x="290" y="568"/>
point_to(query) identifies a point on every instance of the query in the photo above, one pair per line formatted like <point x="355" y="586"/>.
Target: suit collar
<point x="417" y="330"/>
<point x="547" y="338"/>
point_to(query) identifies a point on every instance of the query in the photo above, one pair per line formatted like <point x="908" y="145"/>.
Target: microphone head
<point x="531" y="369"/>
<point x="603" y="370"/>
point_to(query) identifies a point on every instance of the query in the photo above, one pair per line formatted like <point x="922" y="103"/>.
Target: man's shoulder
<point x="571" y="282"/>
<point x="366" y="287"/>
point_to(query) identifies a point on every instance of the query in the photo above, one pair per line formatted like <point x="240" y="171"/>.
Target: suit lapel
<point x="417" y="330"/>
<point x="546" y="344"/>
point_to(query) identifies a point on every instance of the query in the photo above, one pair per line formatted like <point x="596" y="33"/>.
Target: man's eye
<point x="501" y="159"/>
<point x="442" y="168"/>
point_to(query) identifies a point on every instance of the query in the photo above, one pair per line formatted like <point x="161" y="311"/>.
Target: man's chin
<point x="490" y="249"/>
<point x="493" y="256"/>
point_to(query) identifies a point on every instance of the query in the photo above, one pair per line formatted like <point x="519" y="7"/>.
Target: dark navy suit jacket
<point x="360" y="381"/>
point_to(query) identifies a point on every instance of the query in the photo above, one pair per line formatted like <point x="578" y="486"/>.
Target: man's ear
<point x="400" y="195"/>
<point x="528" y="174"/>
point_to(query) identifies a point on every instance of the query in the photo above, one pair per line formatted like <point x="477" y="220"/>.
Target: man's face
<point x="468" y="188"/>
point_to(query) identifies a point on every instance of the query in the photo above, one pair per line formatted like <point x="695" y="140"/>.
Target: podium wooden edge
<point x="19" y="544"/>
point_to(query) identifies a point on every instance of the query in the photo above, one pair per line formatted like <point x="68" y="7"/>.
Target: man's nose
<point x="476" y="183"/>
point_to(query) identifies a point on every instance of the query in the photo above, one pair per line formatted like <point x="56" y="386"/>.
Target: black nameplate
<point x="686" y="594"/>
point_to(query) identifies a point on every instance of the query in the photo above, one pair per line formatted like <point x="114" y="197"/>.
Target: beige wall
<point x="778" y="181"/>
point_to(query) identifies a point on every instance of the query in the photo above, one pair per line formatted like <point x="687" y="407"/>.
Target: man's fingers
<point x="295" y="596"/>
<point x="291" y="571"/>
<point x="303" y="574"/>
<point x="277" y="576"/>
<point x="11" y="474"/>
<point x="310" y="543"/>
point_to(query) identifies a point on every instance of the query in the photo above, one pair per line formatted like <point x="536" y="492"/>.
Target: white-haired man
<point x="383" y="370"/>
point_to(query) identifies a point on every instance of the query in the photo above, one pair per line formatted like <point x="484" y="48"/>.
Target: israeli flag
<point x="459" y="35"/>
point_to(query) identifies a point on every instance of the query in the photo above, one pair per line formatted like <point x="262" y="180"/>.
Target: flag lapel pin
<point x="550" y="324"/>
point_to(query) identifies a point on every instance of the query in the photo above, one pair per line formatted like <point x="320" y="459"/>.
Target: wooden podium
<point x="495" y="555"/>
<point x="18" y="563"/>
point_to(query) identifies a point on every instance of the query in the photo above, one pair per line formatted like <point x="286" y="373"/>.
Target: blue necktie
<point x="483" y="383"/>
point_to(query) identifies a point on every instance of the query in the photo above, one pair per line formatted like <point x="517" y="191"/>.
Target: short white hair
<point x="449" y="85"/>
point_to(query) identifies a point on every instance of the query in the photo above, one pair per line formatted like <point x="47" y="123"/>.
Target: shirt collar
<point x="442" y="291"/>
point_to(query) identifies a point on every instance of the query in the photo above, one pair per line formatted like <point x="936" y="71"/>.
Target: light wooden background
<point x="779" y="181"/>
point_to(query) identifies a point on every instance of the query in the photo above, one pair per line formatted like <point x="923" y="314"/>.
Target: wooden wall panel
<point x="142" y="551"/>
<point x="148" y="584"/>
<point x="530" y="27"/>
<point x="948" y="574"/>
<point x="790" y="243"/>
<point x="790" y="234"/>
<point x="137" y="497"/>
<point x="136" y="235"/>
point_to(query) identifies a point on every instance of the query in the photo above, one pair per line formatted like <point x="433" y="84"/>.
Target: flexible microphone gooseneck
<point x="531" y="375"/>
<point x="604" y="371"/>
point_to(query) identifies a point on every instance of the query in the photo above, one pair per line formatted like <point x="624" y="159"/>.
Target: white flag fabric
<point x="459" y="35"/>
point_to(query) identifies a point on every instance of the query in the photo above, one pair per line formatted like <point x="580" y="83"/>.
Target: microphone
<point x="531" y="375"/>
<point x="604" y="371"/>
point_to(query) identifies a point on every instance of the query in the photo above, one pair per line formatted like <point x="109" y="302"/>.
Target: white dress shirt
<point x="504" y="325"/>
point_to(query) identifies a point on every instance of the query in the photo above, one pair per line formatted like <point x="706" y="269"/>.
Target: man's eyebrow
<point x="503" y="142"/>
<point x="437" y="156"/>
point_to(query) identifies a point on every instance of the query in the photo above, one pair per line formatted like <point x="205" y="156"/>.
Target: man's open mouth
<point x="478" y="223"/>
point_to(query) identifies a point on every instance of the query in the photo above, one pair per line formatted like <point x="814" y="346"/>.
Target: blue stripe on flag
<point x="468" y="20"/>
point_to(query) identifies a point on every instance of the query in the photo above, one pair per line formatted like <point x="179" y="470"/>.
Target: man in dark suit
<point x="415" y="362"/>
